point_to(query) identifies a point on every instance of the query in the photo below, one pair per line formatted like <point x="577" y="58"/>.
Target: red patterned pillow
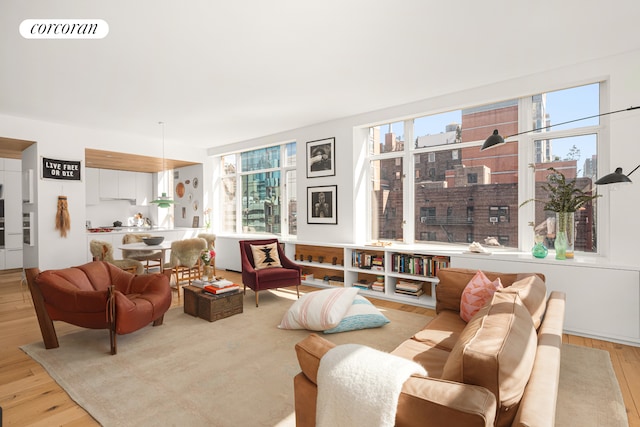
<point x="478" y="291"/>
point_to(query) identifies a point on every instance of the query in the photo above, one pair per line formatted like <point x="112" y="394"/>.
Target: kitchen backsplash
<point x="108" y="211"/>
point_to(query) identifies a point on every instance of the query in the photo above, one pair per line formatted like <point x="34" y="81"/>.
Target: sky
<point x="562" y="106"/>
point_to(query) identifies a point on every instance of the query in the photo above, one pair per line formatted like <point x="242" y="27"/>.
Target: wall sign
<point x="61" y="169"/>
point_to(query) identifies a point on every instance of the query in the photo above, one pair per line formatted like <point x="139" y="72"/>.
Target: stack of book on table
<point x="219" y="287"/>
<point x="409" y="288"/>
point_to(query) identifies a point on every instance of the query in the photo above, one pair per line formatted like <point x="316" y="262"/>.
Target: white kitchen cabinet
<point x="108" y="184"/>
<point x="144" y="189"/>
<point x="92" y="186"/>
<point x="115" y="184"/>
<point x="127" y="185"/>
<point x="13" y="165"/>
<point x="11" y="178"/>
<point x="12" y="201"/>
<point x="13" y="258"/>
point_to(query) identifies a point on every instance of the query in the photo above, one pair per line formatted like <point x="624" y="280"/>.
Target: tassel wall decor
<point x="63" y="221"/>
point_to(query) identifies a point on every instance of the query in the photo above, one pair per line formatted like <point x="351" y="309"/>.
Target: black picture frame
<point x="322" y="204"/>
<point x="321" y="158"/>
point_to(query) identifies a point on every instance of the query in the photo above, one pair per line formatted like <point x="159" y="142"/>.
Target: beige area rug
<point x="236" y="371"/>
<point x="239" y="371"/>
<point x="589" y="393"/>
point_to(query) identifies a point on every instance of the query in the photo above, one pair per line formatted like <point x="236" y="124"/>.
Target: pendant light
<point x="163" y="201"/>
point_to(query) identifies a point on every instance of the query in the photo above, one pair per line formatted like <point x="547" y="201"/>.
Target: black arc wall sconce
<point x="615" y="177"/>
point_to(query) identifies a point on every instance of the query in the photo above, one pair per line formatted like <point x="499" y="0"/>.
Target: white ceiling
<point x="218" y="72"/>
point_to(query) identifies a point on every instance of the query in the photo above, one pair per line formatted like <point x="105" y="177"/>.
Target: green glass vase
<point x="539" y="250"/>
<point x="565" y="235"/>
<point x="561" y="245"/>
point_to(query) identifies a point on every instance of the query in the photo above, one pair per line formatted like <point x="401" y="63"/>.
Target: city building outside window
<point x="454" y="179"/>
<point x="253" y="189"/>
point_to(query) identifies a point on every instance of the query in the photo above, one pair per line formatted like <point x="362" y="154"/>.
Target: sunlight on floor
<point x="286" y="293"/>
<point x="290" y="421"/>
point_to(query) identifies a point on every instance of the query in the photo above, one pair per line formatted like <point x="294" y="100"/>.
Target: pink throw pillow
<point x="478" y="291"/>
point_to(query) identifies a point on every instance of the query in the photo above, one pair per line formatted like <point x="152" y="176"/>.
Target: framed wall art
<point x="322" y="205"/>
<point x="321" y="158"/>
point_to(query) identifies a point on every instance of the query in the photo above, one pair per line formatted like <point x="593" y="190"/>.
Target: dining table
<point x="143" y="247"/>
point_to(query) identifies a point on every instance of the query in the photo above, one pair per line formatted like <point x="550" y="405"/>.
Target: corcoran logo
<point x="64" y="28"/>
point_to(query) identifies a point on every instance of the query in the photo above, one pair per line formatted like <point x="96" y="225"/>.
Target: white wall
<point x="68" y="143"/>
<point x="619" y="237"/>
<point x="192" y="202"/>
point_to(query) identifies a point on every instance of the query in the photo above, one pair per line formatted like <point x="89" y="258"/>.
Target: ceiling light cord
<point x="163" y="159"/>
<point x="163" y="201"/>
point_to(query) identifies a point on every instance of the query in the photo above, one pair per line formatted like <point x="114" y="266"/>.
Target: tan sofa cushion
<point x="431" y="358"/>
<point x="533" y="294"/>
<point x="496" y="351"/>
<point x="443" y="331"/>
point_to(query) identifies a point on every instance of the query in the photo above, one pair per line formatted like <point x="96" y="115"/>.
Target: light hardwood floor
<point x="30" y="397"/>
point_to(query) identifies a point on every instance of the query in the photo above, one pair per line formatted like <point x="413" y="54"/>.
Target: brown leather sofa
<point x="499" y="369"/>
<point x="97" y="295"/>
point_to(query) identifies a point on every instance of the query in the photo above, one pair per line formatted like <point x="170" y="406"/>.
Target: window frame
<point x="526" y="174"/>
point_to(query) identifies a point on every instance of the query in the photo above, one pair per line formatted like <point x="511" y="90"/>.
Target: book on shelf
<point x="377" y="286"/>
<point x="335" y="280"/>
<point x="408" y="286"/>
<point x="367" y="261"/>
<point x="217" y="291"/>
<point x="410" y="293"/>
<point x="377" y="263"/>
<point x="419" y="265"/>
<point x="306" y="276"/>
<point x="362" y="284"/>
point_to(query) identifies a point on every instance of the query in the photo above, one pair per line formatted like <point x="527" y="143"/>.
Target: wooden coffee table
<point x="211" y="307"/>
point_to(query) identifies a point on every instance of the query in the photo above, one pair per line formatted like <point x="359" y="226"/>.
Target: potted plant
<point x="565" y="198"/>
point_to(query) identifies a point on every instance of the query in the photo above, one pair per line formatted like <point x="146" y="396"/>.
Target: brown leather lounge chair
<point x="97" y="295"/>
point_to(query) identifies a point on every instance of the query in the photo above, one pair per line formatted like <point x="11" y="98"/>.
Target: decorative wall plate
<point x="180" y="190"/>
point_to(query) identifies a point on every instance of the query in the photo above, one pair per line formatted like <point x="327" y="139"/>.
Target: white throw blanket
<point x="360" y="386"/>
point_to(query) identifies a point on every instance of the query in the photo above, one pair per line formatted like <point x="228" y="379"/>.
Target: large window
<point x="386" y="147"/>
<point x="571" y="149"/>
<point x="459" y="194"/>
<point x="265" y="202"/>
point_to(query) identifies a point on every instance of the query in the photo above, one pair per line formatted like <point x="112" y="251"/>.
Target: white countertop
<point x="124" y="230"/>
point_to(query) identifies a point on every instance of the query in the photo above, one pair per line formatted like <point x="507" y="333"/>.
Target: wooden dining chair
<point x="185" y="261"/>
<point x="150" y="259"/>
<point x="103" y="251"/>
